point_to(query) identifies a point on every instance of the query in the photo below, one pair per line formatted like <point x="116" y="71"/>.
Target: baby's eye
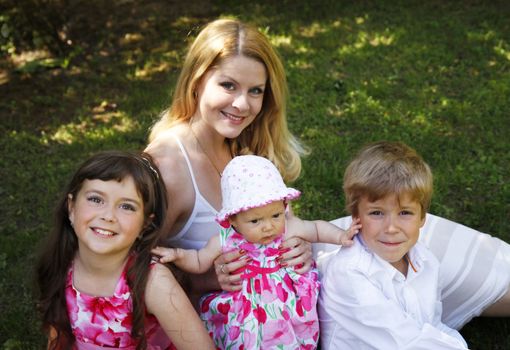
<point x="227" y="85"/>
<point x="127" y="206"/>
<point x="277" y="215"/>
<point x="254" y="221"/>
<point x="95" y="199"/>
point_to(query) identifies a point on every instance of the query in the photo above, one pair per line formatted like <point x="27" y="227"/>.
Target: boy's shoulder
<point x="354" y="258"/>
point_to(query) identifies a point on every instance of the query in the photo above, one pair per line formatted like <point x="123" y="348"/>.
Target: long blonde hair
<point x="268" y="135"/>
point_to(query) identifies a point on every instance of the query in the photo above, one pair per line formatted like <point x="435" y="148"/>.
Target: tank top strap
<point x="188" y="163"/>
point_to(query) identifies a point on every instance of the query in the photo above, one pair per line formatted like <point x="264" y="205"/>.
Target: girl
<point x="98" y="287"/>
<point x="276" y="306"/>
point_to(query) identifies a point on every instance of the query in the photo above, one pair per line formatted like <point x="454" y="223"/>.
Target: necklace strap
<point x="204" y="152"/>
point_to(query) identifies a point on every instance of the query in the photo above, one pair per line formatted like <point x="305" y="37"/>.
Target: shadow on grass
<point x="357" y="72"/>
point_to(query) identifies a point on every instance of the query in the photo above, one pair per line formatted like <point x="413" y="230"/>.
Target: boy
<point x="383" y="292"/>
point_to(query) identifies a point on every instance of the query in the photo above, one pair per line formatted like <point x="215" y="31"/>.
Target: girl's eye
<point x="376" y="212"/>
<point x="277" y="215"/>
<point x="227" y="85"/>
<point x="406" y="212"/>
<point x="95" y="199"/>
<point x="127" y="206"/>
<point x="254" y="221"/>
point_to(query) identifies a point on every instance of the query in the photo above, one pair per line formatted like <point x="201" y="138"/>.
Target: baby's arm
<point x="191" y="260"/>
<point x="166" y="300"/>
<point x="322" y="231"/>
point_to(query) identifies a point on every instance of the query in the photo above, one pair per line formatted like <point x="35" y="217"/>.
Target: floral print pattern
<point x="276" y="308"/>
<point x="105" y="322"/>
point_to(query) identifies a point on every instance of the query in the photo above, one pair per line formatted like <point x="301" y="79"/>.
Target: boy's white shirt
<point x="365" y="303"/>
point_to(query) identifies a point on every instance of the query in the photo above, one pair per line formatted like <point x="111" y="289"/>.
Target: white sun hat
<point x="250" y="182"/>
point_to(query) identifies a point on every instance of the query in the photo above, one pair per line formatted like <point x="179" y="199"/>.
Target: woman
<point x="229" y="100"/>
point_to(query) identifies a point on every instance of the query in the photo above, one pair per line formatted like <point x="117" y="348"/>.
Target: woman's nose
<point x="241" y="102"/>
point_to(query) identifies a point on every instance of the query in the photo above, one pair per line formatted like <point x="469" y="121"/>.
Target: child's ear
<point x="70" y="208"/>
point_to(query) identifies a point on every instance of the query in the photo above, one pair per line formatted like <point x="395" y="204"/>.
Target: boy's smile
<point x="391" y="227"/>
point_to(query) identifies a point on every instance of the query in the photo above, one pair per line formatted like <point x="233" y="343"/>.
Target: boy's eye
<point x="406" y="212"/>
<point x="375" y="212"/>
<point x="227" y="85"/>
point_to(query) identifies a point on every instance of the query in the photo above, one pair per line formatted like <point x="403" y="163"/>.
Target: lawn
<point x="433" y="74"/>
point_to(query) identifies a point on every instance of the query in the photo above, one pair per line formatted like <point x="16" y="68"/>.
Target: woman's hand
<point x="296" y="252"/>
<point x="229" y="267"/>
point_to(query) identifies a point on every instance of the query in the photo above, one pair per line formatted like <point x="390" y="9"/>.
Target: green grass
<point x="435" y="75"/>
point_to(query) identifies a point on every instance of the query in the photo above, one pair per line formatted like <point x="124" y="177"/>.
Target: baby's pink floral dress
<point x="105" y="322"/>
<point x="276" y="308"/>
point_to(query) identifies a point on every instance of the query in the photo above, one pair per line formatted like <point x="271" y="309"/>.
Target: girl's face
<point x="261" y="225"/>
<point x="230" y="95"/>
<point x="107" y="216"/>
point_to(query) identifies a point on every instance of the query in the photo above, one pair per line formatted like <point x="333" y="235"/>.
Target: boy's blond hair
<point x="384" y="168"/>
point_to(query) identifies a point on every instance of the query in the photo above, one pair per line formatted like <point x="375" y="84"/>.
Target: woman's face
<point x="230" y="95"/>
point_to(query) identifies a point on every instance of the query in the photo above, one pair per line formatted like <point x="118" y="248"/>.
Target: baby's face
<point x="391" y="227"/>
<point x="261" y="225"/>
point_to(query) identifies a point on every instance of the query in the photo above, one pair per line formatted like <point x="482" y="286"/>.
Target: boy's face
<point x="261" y="225"/>
<point x="390" y="227"/>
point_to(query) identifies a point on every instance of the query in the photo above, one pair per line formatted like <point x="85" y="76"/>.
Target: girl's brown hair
<point x="62" y="245"/>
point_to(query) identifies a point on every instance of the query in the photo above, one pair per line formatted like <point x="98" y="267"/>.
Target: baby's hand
<point x="347" y="236"/>
<point x="166" y="254"/>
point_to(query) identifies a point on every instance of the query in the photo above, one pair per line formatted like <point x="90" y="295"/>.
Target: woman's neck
<point x="211" y="144"/>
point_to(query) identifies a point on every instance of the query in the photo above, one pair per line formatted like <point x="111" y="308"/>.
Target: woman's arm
<point x="166" y="300"/>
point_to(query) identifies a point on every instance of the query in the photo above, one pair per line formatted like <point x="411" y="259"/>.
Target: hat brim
<point x="224" y="214"/>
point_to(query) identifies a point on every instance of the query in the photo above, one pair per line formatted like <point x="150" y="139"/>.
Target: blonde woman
<point x="230" y="99"/>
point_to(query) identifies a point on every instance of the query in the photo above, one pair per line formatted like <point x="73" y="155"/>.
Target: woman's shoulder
<point x="169" y="158"/>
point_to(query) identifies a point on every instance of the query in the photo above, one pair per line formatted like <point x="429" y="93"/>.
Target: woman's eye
<point x="257" y="91"/>
<point x="227" y="86"/>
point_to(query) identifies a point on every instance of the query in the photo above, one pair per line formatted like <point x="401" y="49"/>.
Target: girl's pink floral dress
<point x="276" y="308"/>
<point x="105" y="322"/>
